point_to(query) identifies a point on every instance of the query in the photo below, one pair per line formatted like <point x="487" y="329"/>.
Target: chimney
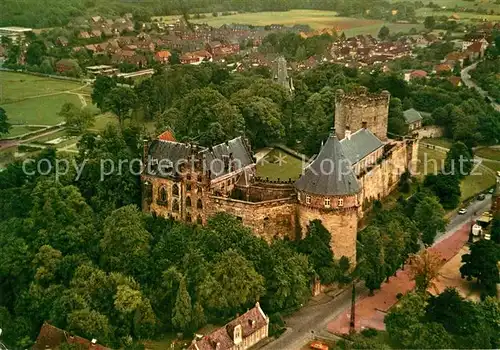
<point x="347" y="133"/>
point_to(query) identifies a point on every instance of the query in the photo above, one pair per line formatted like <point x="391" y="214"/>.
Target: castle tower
<point x="328" y="191"/>
<point x="354" y="111"/>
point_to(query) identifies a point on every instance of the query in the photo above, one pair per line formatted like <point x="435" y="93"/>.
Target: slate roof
<point x="222" y="338"/>
<point x="234" y="151"/>
<point x="330" y="173"/>
<point x="360" y="144"/>
<point x="412" y="115"/>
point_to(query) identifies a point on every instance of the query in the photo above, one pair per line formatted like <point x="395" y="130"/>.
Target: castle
<point x="357" y="164"/>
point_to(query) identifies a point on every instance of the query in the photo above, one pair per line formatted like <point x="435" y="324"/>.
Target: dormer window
<point x="340" y="202"/>
<point x="308" y="199"/>
<point x="327" y="202"/>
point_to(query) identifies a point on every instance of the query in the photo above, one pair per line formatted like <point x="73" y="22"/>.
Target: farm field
<point x="18" y="86"/>
<point x="485" y="4"/>
<point x="40" y="110"/>
<point x="315" y="18"/>
<point x="424" y="12"/>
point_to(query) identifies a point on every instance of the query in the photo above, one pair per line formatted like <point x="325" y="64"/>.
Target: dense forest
<point x="51" y="13"/>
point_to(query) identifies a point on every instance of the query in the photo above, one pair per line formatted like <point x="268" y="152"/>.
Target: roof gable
<point x="359" y="145"/>
<point x="330" y="173"/>
<point x="412" y="115"/>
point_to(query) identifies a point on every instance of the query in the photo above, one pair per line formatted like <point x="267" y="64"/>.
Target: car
<point x="491" y="190"/>
<point x="462" y="211"/>
<point x="481" y="197"/>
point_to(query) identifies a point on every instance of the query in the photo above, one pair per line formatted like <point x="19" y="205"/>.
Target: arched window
<point x="200" y="178"/>
<point x="188" y="202"/>
<point x="163" y="194"/>
<point x="175" y="190"/>
<point x="199" y="221"/>
<point x="188" y="176"/>
<point x="188" y="217"/>
<point x="188" y="187"/>
<point x="175" y="205"/>
<point x="199" y="190"/>
<point x="199" y="204"/>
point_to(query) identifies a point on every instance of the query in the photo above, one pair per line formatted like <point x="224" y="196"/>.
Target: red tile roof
<point x="51" y="337"/>
<point x="222" y="338"/>
<point x="475" y="46"/>
<point x="163" y="54"/>
<point x="418" y="74"/>
<point x="455" y="80"/>
<point x="167" y="136"/>
<point x="442" y="68"/>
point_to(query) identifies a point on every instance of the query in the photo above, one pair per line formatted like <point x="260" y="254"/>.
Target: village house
<point x="443" y="69"/>
<point x="240" y="334"/>
<point x="476" y="50"/>
<point x="415" y="74"/>
<point x="413" y="119"/>
<point x="162" y="56"/>
<point x="52" y="338"/>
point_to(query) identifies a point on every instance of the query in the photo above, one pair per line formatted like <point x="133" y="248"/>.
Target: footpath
<point x="370" y="311"/>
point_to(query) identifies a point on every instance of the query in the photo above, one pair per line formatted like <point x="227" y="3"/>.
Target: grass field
<point x="18" y="86"/>
<point x="290" y="166"/>
<point x="18" y="130"/>
<point x="464" y="16"/>
<point x="431" y="161"/>
<point x="317" y="19"/>
<point x="40" y="110"/>
<point x="442" y="142"/>
<point x="489" y="153"/>
<point x="485" y="4"/>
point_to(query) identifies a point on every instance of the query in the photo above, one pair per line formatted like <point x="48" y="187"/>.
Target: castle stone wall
<point x="354" y="110"/>
<point x="342" y="224"/>
<point x="270" y="219"/>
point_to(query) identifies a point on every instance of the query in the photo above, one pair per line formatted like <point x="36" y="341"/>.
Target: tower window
<point x="188" y="202"/>
<point x="308" y="199"/>
<point x="188" y="187"/>
<point x="340" y="202"/>
<point x="327" y="202"/>
<point x="175" y="190"/>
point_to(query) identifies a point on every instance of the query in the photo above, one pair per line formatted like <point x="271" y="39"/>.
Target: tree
<point x="102" y="86"/>
<point x="373" y="264"/>
<point x="77" y="120"/>
<point x="233" y="284"/>
<point x="181" y="316"/>
<point x="481" y="263"/>
<point x="120" y="101"/>
<point x="35" y="53"/>
<point x="430" y="22"/>
<point x="383" y="33"/>
<point x="90" y="324"/>
<point x="125" y="242"/>
<point x="424" y="268"/>
<point x="446" y="188"/>
<point x="4" y="125"/>
<point x="397" y="123"/>
<point x="495" y="229"/>
<point x="429" y="217"/>
<point x="459" y="161"/>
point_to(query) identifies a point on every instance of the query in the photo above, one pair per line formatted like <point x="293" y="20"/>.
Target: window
<point x="327" y="202"/>
<point x="199" y="178"/>
<point x="175" y="190"/>
<point x="188" y="176"/>
<point x="188" y="217"/>
<point x="199" y="221"/>
<point x="188" y="187"/>
<point x="308" y="199"/>
<point x="163" y="194"/>
<point x="199" y="204"/>
<point x="298" y="196"/>
<point x="188" y="202"/>
<point x="340" y="202"/>
<point x="175" y="205"/>
<point x="199" y="190"/>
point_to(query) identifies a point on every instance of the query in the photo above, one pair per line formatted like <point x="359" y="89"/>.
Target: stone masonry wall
<point x="353" y="110"/>
<point x="342" y="224"/>
<point x="270" y="219"/>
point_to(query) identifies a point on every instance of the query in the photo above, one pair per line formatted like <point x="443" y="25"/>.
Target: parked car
<point x="491" y="190"/>
<point x="462" y="211"/>
<point x="481" y="197"/>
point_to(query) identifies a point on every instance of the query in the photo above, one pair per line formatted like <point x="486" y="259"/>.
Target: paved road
<point x="468" y="82"/>
<point x="311" y="319"/>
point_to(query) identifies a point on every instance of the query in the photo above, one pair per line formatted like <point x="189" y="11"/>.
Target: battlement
<point x="362" y="109"/>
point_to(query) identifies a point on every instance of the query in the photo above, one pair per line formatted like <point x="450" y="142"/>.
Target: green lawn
<point x="430" y="161"/>
<point x="492" y="165"/>
<point x="442" y="142"/>
<point x="18" y="86"/>
<point x="102" y="120"/>
<point x="464" y="16"/>
<point x="39" y="111"/>
<point x="489" y="153"/>
<point x="18" y="130"/>
<point x="271" y="168"/>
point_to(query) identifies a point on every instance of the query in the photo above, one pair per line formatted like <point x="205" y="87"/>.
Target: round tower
<point x="328" y="191"/>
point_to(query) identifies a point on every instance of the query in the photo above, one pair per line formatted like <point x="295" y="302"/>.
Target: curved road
<point x="314" y="319"/>
<point x="466" y="78"/>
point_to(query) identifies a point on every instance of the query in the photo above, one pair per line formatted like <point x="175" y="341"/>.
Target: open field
<point x="40" y="110"/>
<point x="18" y="130"/>
<point x="485" y="4"/>
<point x="465" y="16"/>
<point x="317" y="19"/>
<point x="18" y="86"/>
<point x="274" y="169"/>
<point x="442" y="142"/>
<point x="431" y="161"/>
<point x="488" y="153"/>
